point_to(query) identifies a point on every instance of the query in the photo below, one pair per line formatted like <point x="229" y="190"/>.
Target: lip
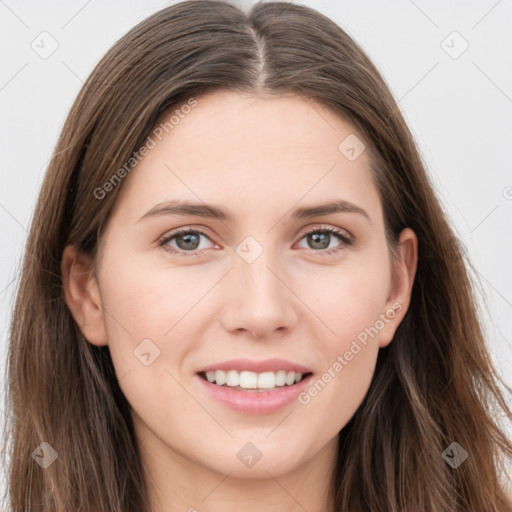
<point x="255" y="402"/>
<point x="266" y="365"/>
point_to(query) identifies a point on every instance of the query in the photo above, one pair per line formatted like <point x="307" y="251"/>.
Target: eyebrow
<point x="177" y="207"/>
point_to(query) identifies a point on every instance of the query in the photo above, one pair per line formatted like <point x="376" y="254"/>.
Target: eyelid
<point x="325" y="227"/>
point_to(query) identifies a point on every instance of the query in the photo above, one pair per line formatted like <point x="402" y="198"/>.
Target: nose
<point x="259" y="299"/>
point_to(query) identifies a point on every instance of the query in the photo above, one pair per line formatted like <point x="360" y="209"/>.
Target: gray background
<point x="459" y="107"/>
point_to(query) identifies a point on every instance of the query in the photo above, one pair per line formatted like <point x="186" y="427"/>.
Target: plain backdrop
<point x="449" y="64"/>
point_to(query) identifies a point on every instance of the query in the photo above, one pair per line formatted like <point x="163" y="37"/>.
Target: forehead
<point x="247" y="151"/>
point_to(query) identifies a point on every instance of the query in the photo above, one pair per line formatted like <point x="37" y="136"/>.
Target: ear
<point x="82" y="296"/>
<point x="402" y="280"/>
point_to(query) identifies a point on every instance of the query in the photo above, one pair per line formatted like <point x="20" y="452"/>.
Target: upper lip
<point x="265" y="365"/>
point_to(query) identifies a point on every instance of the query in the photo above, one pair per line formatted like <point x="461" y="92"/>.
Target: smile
<point x="255" y="400"/>
<point x="247" y="380"/>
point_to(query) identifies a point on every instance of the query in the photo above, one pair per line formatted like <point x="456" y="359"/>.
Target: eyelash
<point x="346" y="241"/>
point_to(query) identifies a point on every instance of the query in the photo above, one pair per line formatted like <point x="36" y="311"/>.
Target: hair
<point x="434" y="384"/>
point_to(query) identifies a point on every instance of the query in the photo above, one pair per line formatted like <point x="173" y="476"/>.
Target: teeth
<point x="280" y="378"/>
<point x="232" y="378"/>
<point x="248" y="380"/>
<point x="253" y="380"/>
<point x="220" y="377"/>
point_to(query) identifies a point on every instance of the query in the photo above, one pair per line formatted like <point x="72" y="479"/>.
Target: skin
<point x="259" y="158"/>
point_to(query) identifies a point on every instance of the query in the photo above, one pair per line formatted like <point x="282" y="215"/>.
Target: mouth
<point x="250" y="392"/>
<point x="247" y="381"/>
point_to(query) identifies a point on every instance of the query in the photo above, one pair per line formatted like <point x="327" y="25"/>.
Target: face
<point x="255" y="285"/>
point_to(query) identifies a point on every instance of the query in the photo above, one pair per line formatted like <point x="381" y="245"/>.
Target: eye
<point x="188" y="241"/>
<point x="321" y="239"/>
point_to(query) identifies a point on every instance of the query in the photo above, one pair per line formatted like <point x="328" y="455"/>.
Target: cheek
<point x="350" y="306"/>
<point x="146" y="310"/>
<point x="150" y="301"/>
<point x="347" y="299"/>
<point x="149" y="314"/>
<point x="334" y="396"/>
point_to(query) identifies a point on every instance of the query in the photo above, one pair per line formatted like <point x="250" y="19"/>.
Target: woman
<point x="240" y="290"/>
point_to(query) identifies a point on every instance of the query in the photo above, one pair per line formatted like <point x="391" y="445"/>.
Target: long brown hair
<point x="433" y="385"/>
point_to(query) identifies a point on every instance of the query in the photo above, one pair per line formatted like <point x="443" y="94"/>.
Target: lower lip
<point x="256" y="402"/>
